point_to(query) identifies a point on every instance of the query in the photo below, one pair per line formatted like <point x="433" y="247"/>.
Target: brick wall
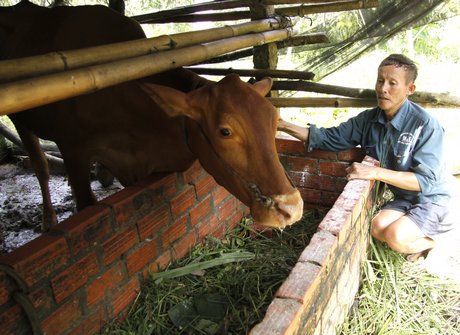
<point x="319" y="291"/>
<point x="89" y="268"/>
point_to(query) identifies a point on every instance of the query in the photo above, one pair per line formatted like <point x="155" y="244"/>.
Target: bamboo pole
<point x="332" y="102"/>
<point x="65" y="60"/>
<point x="326" y="8"/>
<point x="339" y="102"/>
<point x="291" y="42"/>
<point x="303" y="10"/>
<point x="433" y="100"/>
<point x="26" y="94"/>
<point x="221" y="5"/>
<point x="257" y="73"/>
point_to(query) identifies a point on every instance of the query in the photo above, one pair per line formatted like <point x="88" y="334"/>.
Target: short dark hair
<point x="399" y="60"/>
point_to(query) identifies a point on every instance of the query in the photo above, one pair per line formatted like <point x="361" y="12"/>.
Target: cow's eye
<point x="225" y="132"/>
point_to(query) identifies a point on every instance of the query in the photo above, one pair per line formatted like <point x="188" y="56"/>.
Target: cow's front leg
<point x="40" y="166"/>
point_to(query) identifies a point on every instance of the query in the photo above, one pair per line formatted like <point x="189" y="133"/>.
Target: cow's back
<point x="32" y="30"/>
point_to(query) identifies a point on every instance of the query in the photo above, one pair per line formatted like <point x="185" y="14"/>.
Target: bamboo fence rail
<point x="66" y="60"/>
<point x="186" y="13"/>
<point x="26" y="94"/>
<point x="332" y="102"/>
<point x="340" y="102"/>
<point x="257" y="73"/>
<point x="179" y="15"/>
<point x="427" y="99"/>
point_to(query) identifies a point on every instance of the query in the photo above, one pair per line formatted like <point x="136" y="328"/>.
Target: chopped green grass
<point x="223" y="286"/>
<point x="402" y="298"/>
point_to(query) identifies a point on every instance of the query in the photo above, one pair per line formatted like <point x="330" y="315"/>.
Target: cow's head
<point x="231" y="129"/>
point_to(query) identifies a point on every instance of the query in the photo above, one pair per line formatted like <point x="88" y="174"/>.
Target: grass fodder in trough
<point x="223" y="286"/>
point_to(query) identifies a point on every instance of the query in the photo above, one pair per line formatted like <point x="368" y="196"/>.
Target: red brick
<point x="220" y="194"/>
<point x="120" y="243"/>
<point x="175" y="231"/>
<point x="353" y="155"/>
<point x="127" y="202"/>
<point x="302" y="179"/>
<point x="92" y="324"/>
<point x="301" y="283"/>
<point x="310" y="195"/>
<point x="320" y="154"/>
<point x="233" y="219"/>
<point x="159" y="187"/>
<point x="159" y="264"/>
<point x="320" y="249"/>
<point x="289" y="145"/>
<point x="193" y="172"/>
<point x="335" y="219"/>
<point x="62" y="319"/>
<point x="328" y="198"/>
<point x="43" y="300"/>
<point x="200" y="211"/>
<point x="183" y="246"/>
<point x="208" y="227"/>
<point x="336" y="169"/>
<point x="168" y="185"/>
<point x="13" y="321"/>
<point x="282" y="317"/>
<point x="142" y="256"/>
<point x="74" y="277"/>
<point x="183" y="202"/>
<point x="150" y="224"/>
<point x="226" y="209"/>
<point x="87" y="228"/>
<point x="39" y="258"/>
<point x="302" y="164"/>
<point x="125" y="295"/>
<point x="104" y="285"/>
<point x="204" y="186"/>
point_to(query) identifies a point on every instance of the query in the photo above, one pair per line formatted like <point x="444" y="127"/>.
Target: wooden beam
<point x="26" y="94"/>
<point x="257" y="73"/>
<point x="72" y="59"/>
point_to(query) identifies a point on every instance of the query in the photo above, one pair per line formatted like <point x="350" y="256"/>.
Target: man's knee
<point x="377" y="229"/>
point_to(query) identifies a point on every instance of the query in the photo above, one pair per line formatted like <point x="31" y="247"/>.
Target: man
<point x="408" y="142"/>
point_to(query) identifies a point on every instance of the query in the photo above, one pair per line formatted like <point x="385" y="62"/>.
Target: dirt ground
<point x="20" y="216"/>
<point x="21" y="204"/>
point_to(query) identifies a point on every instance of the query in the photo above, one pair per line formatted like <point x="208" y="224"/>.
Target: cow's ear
<point x="170" y="100"/>
<point x="263" y="86"/>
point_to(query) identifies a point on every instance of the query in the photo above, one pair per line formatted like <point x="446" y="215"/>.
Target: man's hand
<point x="361" y="171"/>
<point x="403" y="179"/>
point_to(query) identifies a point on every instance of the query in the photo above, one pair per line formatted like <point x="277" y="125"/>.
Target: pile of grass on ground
<point x="402" y="298"/>
<point x="223" y="286"/>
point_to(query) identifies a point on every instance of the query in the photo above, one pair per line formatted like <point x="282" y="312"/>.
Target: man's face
<point x="392" y="88"/>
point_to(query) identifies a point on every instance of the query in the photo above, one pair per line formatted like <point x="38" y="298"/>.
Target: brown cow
<point x="140" y="128"/>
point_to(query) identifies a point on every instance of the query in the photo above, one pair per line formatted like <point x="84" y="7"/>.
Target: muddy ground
<point x="21" y="203"/>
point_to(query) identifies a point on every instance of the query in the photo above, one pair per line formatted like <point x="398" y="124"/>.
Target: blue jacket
<point x="412" y="141"/>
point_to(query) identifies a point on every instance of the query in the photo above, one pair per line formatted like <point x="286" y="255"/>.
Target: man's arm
<point x="402" y="179"/>
<point x="298" y="132"/>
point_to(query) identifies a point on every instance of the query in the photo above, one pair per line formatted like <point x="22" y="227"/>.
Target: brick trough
<point x="89" y="268"/>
